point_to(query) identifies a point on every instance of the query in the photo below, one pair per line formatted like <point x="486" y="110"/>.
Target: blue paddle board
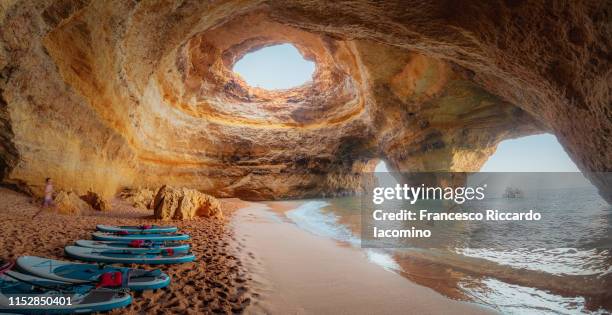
<point x="133" y="229"/>
<point x="127" y="257"/>
<point x="102" y="236"/>
<point x="56" y="294"/>
<point x="134" y="279"/>
<point x="145" y="247"/>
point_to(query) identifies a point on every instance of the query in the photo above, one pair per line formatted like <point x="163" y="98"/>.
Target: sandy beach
<point x="251" y="262"/>
<point x="215" y="283"/>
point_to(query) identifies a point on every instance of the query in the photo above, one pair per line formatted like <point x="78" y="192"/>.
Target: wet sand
<point x="295" y="272"/>
<point x="215" y="283"/>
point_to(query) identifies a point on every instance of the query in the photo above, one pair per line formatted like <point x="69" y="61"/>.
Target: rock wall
<point x="551" y="59"/>
<point x="184" y="204"/>
<point x="8" y="152"/>
<point x="101" y="95"/>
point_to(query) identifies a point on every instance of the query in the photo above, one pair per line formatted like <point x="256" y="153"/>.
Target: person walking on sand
<point x="48" y="199"/>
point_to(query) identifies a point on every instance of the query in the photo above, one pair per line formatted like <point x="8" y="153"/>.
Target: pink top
<point x="49" y="190"/>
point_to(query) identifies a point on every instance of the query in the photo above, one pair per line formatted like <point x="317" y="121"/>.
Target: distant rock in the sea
<point x="183" y="204"/>
<point x="513" y="193"/>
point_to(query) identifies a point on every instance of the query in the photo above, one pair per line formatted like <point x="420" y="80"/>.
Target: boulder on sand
<point x="70" y="203"/>
<point x="141" y="198"/>
<point x="183" y="203"/>
<point x="95" y="201"/>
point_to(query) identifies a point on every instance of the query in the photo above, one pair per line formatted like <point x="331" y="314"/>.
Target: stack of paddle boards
<point x="133" y="244"/>
<point x="19" y="291"/>
<point x="36" y="285"/>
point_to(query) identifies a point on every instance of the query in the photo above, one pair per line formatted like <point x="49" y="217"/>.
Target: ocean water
<point x="561" y="264"/>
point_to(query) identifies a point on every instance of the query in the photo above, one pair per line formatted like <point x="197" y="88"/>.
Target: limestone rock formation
<point x="70" y="203"/>
<point x="141" y="198"/>
<point x="108" y="94"/>
<point x="96" y="202"/>
<point x="183" y="204"/>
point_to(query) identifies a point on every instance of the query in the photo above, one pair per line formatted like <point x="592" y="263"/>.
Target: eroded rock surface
<point x="108" y="94"/>
<point x="70" y="203"/>
<point x="141" y="198"/>
<point x="96" y="202"/>
<point x="184" y="204"/>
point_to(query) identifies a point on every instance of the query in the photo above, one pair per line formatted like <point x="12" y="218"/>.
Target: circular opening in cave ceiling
<point x="277" y="67"/>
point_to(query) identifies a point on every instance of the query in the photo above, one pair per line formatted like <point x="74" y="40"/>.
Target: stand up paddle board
<point x="134" y="279"/>
<point x="128" y="257"/>
<point x="126" y="238"/>
<point x="133" y="229"/>
<point x="18" y="289"/>
<point x="135" y="246"/>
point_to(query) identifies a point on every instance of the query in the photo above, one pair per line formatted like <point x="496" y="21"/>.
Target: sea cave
<point x="109" y="96"/>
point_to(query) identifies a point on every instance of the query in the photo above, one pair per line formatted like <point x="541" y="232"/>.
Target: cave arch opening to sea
<point x="276" y="67"/>
<point x="536" y="153"/>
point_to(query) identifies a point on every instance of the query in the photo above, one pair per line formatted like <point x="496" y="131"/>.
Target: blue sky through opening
<point x="275" y="67"/>
<point x="539" y="153"/>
